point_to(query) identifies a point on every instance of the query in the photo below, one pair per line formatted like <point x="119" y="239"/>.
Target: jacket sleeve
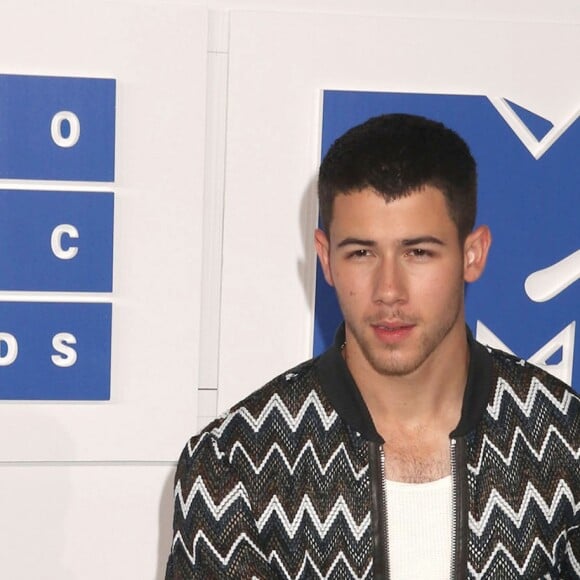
<point x="570" y="568"/>
<point x="215" y="535"/>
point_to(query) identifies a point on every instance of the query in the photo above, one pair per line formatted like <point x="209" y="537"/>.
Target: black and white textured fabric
<point x="280" y="486"/>
<point x="524" y="478"/>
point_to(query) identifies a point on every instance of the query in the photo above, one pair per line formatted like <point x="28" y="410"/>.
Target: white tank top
<point x="419" y="529"/>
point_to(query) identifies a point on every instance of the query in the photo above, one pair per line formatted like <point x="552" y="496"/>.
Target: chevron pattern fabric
<point x="524" y="478"/>
<point x="274" y="489"/>
<point x="280" y="486"/>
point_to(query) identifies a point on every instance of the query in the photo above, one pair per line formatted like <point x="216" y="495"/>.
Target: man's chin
<point x="394" y="366"/>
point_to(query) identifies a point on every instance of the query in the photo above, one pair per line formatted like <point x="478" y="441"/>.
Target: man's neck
<point x="431" y="394"/>
<point x="414" y="413"/>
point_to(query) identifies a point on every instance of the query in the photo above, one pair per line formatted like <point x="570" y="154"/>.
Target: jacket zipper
<point x="378" y="511"/>
<point x="454" y="511"/>
<point x="459" y="481"/>
<point x="385" y="515"/>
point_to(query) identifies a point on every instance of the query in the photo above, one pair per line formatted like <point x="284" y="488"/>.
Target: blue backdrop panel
<point x="56" y="241"/>
<point x="532" y="207"/>
<point x="57" y="128"/>
<point x="55" y="351"/>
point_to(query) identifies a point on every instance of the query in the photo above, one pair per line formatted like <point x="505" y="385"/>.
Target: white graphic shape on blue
<point x="563" y="341"/>
<point x="548" y="282"/>
<point x="537" y="147"/>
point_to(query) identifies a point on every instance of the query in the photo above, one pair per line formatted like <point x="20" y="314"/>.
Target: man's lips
<point x="392" y="331"/>
<point x="394" y="325"/>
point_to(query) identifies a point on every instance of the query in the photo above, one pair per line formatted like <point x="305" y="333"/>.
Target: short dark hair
<point x="396" y="155"/>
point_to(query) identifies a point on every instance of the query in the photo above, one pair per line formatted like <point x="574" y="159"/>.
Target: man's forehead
<point x="368" y="217"/>
<point x="355" y="206"/>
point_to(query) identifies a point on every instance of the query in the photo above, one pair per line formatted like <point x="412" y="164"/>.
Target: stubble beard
<point x="399" y="360"/>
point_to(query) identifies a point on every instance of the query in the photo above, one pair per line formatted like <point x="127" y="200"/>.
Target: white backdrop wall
<point x="218" y="128"/>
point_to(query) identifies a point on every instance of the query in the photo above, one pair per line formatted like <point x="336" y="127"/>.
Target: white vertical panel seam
<point x="213" y="205"/>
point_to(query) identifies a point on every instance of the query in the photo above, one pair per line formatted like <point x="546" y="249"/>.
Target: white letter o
<point x="56" y="129"/>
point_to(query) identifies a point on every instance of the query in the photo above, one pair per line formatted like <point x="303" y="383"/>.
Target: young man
<point x="407" y="450"/>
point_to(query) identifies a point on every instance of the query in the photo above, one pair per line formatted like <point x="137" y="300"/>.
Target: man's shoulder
<point x="286" y="400"/>
<point x="529" y="385"/>
<point x="520" y="373"/>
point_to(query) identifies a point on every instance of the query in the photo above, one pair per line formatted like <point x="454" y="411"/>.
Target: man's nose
<point x="390" y="284"/>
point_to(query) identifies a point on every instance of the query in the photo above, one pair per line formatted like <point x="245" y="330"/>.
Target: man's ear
<point x="322" y="245"/>
<point x="475" y="251"/>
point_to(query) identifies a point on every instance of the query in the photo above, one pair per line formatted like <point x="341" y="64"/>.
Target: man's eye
<point x="419" y="253"/>
<point x="362" y="253"/>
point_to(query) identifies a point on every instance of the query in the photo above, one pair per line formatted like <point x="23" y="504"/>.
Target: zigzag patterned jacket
<point x="289" y="483"/>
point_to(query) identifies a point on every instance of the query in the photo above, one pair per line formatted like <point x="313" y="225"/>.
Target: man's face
<point x="399" y="270"/>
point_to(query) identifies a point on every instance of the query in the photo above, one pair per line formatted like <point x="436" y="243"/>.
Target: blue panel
<point x="538" y="126"/>
<point x="34" y="365"/>
<point x="57" y="128"/>
<point x="532" y="207"/>
<point x="56" y="241"/>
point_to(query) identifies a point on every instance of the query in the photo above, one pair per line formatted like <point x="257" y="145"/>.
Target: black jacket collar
<point x="340" y="388"/>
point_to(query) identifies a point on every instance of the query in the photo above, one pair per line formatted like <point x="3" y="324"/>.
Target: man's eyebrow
<point x="422" y="240"/>
<point x="356" y="242"/>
